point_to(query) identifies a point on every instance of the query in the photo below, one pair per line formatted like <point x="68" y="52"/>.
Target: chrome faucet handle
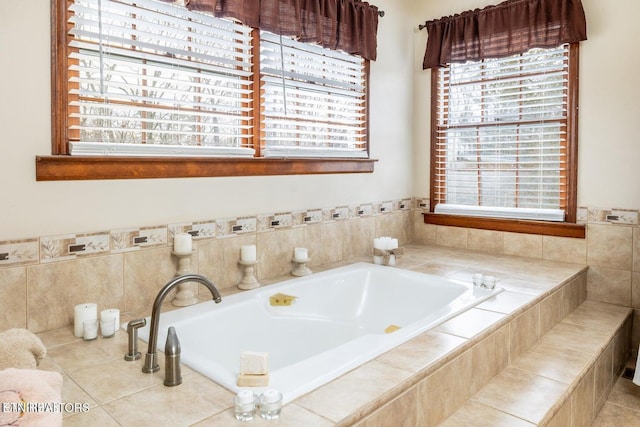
<point x="132" y="330"/>
<point x="172" y="374"/>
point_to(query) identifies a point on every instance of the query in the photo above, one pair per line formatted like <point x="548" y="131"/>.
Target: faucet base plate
<point x="150" y="363"/>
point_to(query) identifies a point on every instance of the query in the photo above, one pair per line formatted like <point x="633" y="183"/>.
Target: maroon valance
<point x="509" y="28"/>
<point x="348" y="25"/>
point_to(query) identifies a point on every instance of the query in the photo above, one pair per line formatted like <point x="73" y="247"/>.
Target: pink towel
<point x="29" y="397"/>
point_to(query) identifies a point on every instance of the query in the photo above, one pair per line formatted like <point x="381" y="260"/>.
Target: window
<point x="153" y="82"/>
<point x="150" y="78"/>
<point x="313" y="100"/>
<point x="504" y="102"/>
<point x="503" y="138"/>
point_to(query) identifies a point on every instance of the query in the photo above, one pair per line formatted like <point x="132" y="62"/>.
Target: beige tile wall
<point x="42" y="279"/>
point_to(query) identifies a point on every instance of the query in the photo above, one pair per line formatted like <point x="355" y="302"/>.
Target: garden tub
<point x="317" y="327"/>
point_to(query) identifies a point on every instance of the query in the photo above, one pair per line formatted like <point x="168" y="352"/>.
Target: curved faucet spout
<point x="151" y="358"/>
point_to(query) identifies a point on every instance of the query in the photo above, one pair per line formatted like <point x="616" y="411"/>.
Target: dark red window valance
<point x="348" y="25"/>
<point x="509" y="28"/>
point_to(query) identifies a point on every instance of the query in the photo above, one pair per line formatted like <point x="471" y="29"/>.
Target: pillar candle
<point x="182" y="243"/>
<point x="393" y="244"/>
<point x="300" y="254"/>
<point x="248" y="253"/>
<point x="82" y="312"/>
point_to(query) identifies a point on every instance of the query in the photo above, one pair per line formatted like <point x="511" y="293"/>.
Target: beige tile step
<point x="563" y="380"/>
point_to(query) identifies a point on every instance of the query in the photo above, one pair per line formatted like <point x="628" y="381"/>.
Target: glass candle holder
<point x="477" y="279"/>
<point x="108" y="327"/>
<point x="270" y="404"/>
<point x="90" y="329"/>
<point x="245" y="405"/>
<point x="489" y="282"/>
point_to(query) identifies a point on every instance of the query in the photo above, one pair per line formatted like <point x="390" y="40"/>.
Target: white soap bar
<point x="253" y="363"/>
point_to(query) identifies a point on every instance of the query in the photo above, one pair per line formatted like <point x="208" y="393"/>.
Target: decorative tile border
<point x="269" y="222"/>
<point x="421" y="203"/>
<point x="203" y="230"/>
<point x="72" y="246"/>
<point x="338" y="213"/>
<point x="612" y="216"/>
<point x="231" y="227"/>
<point x="405" y="204"/>
<point x="298" y="218"/>
<point x="133" y="239"/>
<point x="312" y="217"/>
<point x="584" y="215"/>
<point x="19" y="252"/>
<point x="385" y="207"/>
<point x="364" y="210"/>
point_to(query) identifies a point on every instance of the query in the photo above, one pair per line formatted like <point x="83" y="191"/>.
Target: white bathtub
<point x="336" y="323"/>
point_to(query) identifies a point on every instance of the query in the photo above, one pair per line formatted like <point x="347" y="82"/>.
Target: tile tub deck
<point x="440" y="373"/>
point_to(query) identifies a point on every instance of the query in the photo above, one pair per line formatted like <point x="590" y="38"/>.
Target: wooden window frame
<point x="568" y="228"/>
<point x="60" y="166"/>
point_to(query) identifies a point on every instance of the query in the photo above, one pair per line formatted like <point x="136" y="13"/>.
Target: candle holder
<point x="249" y="280"/>
<point x="301" y="268"/>
<point x="185" y="295"/>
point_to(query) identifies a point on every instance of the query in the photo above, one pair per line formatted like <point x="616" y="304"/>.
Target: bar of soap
<point x="253" y="363"/>
<point x="281" y="299"/>
<point x="246" y="380"/>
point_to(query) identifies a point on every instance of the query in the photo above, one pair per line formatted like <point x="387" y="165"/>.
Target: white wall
<point x="609" y="127"/>
<point x="32" y="209"/>
<point x="609" y="122"/>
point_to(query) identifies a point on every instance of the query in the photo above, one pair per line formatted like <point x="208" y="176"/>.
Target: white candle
<point x="393" y="244"/>
<point x="248" y="253"/>
<point x="90" y="329"/>
<point x="385" y="243"/>
<point x="300" y="254"/>
<point x="271" y="396"/>
<point x="245" y="396"/>
<point x="182" y="243"/>
<point x="107" y="327"/>
<point x="270" y="404"/>
<point x="110" y="314"/>
<point x="82" y="312"/>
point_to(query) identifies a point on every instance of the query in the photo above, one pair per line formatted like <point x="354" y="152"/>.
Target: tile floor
<point x="622" y="409"/>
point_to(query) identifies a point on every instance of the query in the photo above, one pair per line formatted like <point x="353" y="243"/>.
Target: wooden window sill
<point x="66" y="168"/>
<point x="558" y="229"/>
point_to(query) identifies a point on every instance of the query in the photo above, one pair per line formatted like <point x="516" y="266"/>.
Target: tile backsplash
<point x="42" y="278"/>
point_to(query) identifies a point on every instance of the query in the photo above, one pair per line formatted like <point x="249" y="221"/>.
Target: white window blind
<point x="501" y="147"/>
<point x="152" y="78"/>
<point x="313" y="100"/>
